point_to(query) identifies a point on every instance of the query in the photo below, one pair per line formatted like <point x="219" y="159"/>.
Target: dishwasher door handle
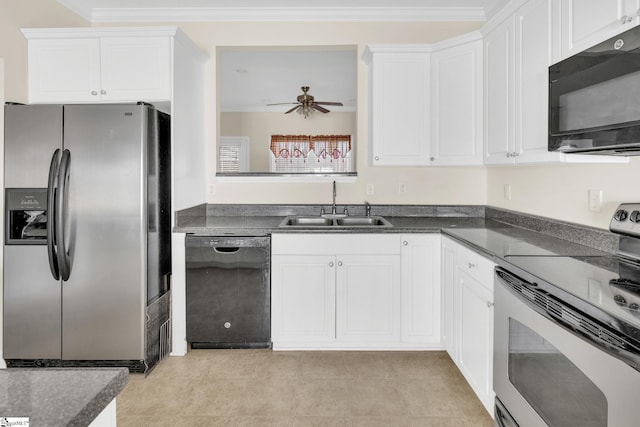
<point x="225" y="250"/>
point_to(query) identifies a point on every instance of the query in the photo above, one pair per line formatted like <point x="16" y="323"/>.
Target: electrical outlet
<point x="211" y="190"/>
<point x="370" y="189"/>
<point x="595" y="200"/>
<point x="402" y="187"/>
<point x="507" y="191"/>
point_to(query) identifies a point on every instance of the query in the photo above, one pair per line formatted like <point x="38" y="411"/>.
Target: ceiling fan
<point x="306" y="104"/>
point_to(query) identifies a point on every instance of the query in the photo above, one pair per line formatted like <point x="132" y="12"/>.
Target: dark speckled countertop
<point x="59" y="396"/>
<point x="489" y="230"/>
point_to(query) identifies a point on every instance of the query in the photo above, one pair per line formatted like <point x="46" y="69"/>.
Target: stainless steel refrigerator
<point x="87" y="255"/>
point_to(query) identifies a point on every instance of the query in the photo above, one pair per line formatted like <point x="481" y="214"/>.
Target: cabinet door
<point x="400" y="109"/>
<point x="586" y="23"/>
<point x="532" y="58"/>
<point x="368" y="298"/>
<point x="475" y="335"/>
<point x="136" y="68"/>
<point x="303" y="298"/>
<point x="448" y="298"/>
<point x="498" y="94"/>
<point x="420" y="306"/>
<point x="64" y="70"/>
<point x="456" y="113"/>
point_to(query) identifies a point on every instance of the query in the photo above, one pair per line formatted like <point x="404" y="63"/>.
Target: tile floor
<point x="266" y="388"/>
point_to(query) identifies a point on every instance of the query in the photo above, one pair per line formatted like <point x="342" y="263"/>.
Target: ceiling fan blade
<point x="319" y="108"/>
<point x="293" y="109"/>
<point x="329" y="103"/>
<point x="284" y="103"/>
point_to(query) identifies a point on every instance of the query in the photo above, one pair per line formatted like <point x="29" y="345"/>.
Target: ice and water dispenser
<point x="26" y="216"/>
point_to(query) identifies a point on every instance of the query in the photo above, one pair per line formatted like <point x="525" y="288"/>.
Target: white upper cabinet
<point x="517" y="55"/>
<point x="587" y="23"/>
<point x="499" y="99"/>
<point x="82" y="66"/>
<point x="425" y="103"/>
<point x="456" y="102"/>
<point x="399" y="105"/>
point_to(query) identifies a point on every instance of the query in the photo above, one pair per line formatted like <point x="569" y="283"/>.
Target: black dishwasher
<point x="228" y="286"/>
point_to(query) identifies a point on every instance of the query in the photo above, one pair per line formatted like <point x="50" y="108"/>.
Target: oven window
<point x="558" y="391"/>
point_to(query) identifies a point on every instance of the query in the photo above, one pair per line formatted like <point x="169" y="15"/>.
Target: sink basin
<point x="360" y="221"/>
<point x="344" y="222"/>
<point x="306" y="221"/>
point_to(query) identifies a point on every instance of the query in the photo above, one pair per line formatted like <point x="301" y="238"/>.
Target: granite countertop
<point x="59" y="396"/>
<point x="494" y="232"/>
<point x="264" y="225"/>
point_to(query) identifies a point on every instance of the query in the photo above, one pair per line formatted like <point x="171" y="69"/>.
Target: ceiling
<point x="251" y="78"/>
<point x="282" y="10"/>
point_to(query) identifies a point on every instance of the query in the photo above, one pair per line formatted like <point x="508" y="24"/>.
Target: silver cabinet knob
<point x="489" y="304"/>
<point x="94" y="92"/>
<point x="432" y="159"/>
<point x="227" y="325"/>
<point x="471" y="265"/>
<point x="405" y="243"/>
<point x="377" y="158"/>
<point x="339" y="263"/>
<point x="104" y="92"/>
<point x="331" y="264"/>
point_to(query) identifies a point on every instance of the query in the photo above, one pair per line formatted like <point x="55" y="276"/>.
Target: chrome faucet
<point x="333" y="206"/>
<point x="367" y="208"/>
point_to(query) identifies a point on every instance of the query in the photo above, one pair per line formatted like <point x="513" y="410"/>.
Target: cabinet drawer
<point x="476" y="266"/>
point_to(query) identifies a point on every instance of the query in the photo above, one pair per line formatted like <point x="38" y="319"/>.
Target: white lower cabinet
<point x="303" y="298"/>
<point x="467" y="281"/>
<point x="355" y="291"/>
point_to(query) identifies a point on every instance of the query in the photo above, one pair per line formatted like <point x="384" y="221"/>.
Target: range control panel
<point x="626" y="219"/>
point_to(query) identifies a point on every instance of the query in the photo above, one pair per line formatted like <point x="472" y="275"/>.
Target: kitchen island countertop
<point x="59" y="396"/>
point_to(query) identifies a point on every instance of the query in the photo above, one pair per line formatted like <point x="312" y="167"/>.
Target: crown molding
<point x="97" y="14"/>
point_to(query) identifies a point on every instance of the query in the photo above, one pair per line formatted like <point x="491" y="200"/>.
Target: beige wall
<point x="260" y="126"/>
<point x="561" y="191"/>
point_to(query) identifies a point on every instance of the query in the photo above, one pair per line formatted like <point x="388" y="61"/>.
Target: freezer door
<point x="32" y="134"/>
<point x="105" y="212"/>
<point x="31" y="305"/>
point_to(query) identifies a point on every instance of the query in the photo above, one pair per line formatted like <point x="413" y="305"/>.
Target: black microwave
<point x="594" y="99"/>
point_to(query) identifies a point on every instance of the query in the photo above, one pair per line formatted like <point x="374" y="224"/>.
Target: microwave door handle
<point x="64" y="262"/>
<point x="52" y="248"/>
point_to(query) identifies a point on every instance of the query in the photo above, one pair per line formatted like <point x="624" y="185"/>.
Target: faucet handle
<point x="367" y="208"/>
<point x="345" y="211"/>
<point x="322" y="211"/>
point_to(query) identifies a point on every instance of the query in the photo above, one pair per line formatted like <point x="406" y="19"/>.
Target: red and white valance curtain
<point x="311" y="153"/>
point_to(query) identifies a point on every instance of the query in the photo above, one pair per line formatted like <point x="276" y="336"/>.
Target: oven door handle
<point x="502" y="416"/>
<point x="577" y="322"/>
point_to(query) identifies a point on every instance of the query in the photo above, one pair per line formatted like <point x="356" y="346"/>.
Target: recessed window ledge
<point x="286" y="178"/>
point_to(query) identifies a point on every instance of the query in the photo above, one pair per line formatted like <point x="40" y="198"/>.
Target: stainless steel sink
<point x="306" y="221"/>
<point x="345" y="222"/>
<point x="363" y="221"/>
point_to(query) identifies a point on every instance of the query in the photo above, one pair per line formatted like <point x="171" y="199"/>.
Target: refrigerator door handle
<point x="52" y="248"/>
<point x="64" y="262"/>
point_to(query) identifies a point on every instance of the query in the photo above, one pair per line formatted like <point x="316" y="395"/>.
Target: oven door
<point x="544" y="375"/>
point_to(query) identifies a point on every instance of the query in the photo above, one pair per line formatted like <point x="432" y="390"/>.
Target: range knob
<point x="634" y="216"/>
<point x="620" y="215"/>
<point x="620" y="300"/>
